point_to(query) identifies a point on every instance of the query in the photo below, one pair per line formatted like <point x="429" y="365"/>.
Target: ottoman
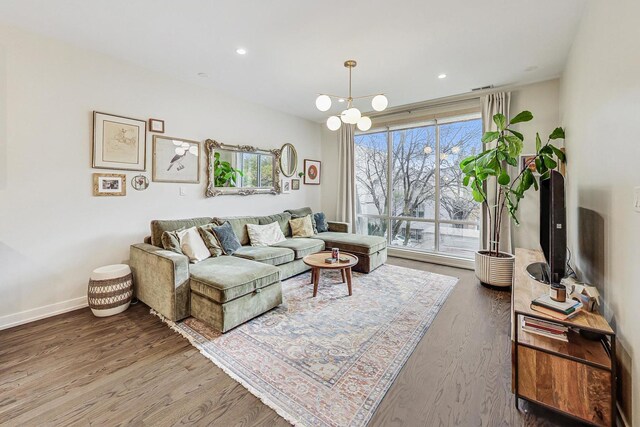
<point x="110" y="290"/>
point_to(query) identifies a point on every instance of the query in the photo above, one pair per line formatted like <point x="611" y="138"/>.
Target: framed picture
<point x="119" y="142"/>
<point x="526" y="158"/>
<point x="285" y="186"/>
<point x="295" y="184"/>
<point x="175" y="160"/>
<point x="156" y="125"/>
<point x="140" y="182"/>
<point x="109" y="184"/>
<point x="311" y="172"/>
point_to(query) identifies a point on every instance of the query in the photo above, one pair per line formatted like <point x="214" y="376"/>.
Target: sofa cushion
<point x="267" y="254"/>
<point x="226" y="278"/>
<point x="192" y="245"/>
<point x="238" y="223"/>
<point x="282" y="219"/>
<point x="171" y="242"/>
<point x="299" y="213"/>
<point x="321" y="222"/>
<point x="302" y="246"/>
<point x="356" y="243"/>
<point x="265" y="235"/>
<point x="227" y="238"/>
<point x="301" y="227"/>
<point x="210" y="239"/>
<point x="160" y="226"/>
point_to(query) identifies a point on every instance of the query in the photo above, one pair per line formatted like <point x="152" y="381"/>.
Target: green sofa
<point x="227" y="291"/>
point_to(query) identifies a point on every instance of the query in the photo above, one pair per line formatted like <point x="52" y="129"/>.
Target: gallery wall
<point x="600" y="108"/>
<point x="53" y="232"/>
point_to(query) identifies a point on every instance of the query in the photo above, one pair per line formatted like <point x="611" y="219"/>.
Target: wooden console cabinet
<point x="577" y="378"/>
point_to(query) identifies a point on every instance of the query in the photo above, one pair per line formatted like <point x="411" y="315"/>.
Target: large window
<point x="409" y="186"/>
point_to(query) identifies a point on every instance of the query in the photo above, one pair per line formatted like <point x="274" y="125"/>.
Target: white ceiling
<point x="296" y="48"/>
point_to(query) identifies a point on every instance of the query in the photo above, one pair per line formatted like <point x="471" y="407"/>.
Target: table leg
<point x="348" y="274"/>
<point x="343" y="278"/>
<point x="313" y="273"/>
<point x="316" y="279"/>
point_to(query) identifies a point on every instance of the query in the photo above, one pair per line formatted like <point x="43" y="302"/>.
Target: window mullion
<point x="436" y="231"/>
<point x="389" y="184"/>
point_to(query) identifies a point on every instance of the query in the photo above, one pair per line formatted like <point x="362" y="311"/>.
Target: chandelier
<point x="350" y="115"/>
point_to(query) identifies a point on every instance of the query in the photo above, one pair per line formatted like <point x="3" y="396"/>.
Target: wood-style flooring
<point x="131" y="369"/>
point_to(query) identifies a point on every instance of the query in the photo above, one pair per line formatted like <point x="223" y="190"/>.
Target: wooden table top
<point x="317" y="260"/>
<point x="526" y="289"/>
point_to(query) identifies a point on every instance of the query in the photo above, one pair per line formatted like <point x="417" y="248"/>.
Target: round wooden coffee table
<point x="317" y="263"/>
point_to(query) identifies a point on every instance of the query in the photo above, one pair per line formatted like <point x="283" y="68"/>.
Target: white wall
<point x="542" y="100"/>
<point x="329" y="200"/>
<point x="600" y="108"/>
<point x="53" y="232"/>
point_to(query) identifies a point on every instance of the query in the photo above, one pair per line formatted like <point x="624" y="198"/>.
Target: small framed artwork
<point x="295" y="184"/>
<point x="312" y="172"/>
<point x="285" y="186"/>
<point x="140" y="182"/>
<point x="109" y="184"/>
<point x="156" y="125"/>
<point x="175" y="160"/>
<point x="119" y="142"/>
<point x="528" y="159"/>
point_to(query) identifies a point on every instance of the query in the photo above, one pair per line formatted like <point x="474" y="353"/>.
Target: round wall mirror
<point x="288" y="160"/>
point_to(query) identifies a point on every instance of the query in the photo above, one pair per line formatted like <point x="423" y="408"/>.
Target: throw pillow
<point x="321" y="222"/>
<point x="265" y="235"/>
<point x="171" y="242"/>
<point x="192" y="245"/>
<point x="302" y="212"/>
<point x="227" y="238"/>
<point x="210" y="239"/>
<point x="301" y="227"/>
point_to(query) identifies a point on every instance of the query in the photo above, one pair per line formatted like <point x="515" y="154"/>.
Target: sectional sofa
<point x="226" y="291"/>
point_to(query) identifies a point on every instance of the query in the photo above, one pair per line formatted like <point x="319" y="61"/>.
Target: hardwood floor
<point x="75" y="369"/>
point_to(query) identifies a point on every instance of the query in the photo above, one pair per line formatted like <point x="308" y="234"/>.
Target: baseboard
<point x="31" y="315"/>
<point x="468" y="264"/>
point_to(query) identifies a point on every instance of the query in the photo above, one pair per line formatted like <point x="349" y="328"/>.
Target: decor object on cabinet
<point x="504" y="147"/>
<point x="109" y="184"/>
<point x="110" y="290"/>
<point x="175" y="160"/>
<point x="285" y="186"/>
<point x="350" y="115"/>
<point x="312" y="172"/>
<point x="288" y="160"/>
<point x="295" y="184"/>
<point x="119" y="142"/>
<point x="140" y="182"/>
<point x="241" y="169"/>
<point x="156" y="125"/>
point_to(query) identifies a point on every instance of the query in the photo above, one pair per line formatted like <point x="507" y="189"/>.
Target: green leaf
<point x="559" y="153"/>
<point x="517" y="134"/>
<point x="546" y="150"/>
<point x="549" y="162"/>
<point x="516" y="148"/>
<point x="538" y="142"/>
<point x="512" y="161"/>
<point x="465" y="180"/>
<point x="539" y="165"/>
<point x="558" y="133"/>
<point x="477" y="196"/>
<point x="504" y="178"/>
<point x="500" y="120"/>
<point x="513" y="139"/>
<point x="490" y="136"/>
<point x="466" y="161"/>
<point x="524" y="116"/>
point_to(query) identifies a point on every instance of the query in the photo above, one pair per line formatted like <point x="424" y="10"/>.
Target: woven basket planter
<point x="495" y="271"/>
<point x="110" y="290"/>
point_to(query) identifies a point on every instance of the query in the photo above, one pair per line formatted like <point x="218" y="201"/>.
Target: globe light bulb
<point x="379" y="102"/>
<point x="354" y="115"/>
<point x="180" y="151"/>
<point x="193" y="150"/>
<point x="364" y="124"/>
<point x="428" y="150"/>
<point x="334" y="123"/>
<point x="178" y="143"/>
<point x="343" y="116"/>
<point x="323" y="103"/>
<point x="185" y="145"/>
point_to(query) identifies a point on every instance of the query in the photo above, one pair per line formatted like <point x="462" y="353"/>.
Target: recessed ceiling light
<point x="203" y="75"/>
<point x="241" y="51"/>
<point x="442" y="76"/>
<point x="341" y="100"/>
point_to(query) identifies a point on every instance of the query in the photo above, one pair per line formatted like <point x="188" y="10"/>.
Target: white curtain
<point x="346" y="207"/>
<point x="493" y="104"/>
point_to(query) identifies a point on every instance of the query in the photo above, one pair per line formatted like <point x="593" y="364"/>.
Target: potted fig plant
<point x="512" y="181"/>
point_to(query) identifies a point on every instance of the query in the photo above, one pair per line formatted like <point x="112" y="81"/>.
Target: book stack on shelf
<point x="558" y="310"/>
<point x="545" y="328"/>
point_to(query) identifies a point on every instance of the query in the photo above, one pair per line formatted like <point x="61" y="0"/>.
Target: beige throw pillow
<point x="192" y="245"/>
<point x="265" y="235"/>
<point x="301" y="227"/>
<point x="210" y="239"/>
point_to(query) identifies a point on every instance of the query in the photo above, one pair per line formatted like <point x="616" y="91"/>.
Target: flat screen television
<point x="553" y="231"/>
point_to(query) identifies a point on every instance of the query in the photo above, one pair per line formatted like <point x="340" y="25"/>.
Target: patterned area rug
<point x="329" y="360"/>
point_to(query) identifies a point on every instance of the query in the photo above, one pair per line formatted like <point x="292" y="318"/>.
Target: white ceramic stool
<point x="110" y="290"/>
